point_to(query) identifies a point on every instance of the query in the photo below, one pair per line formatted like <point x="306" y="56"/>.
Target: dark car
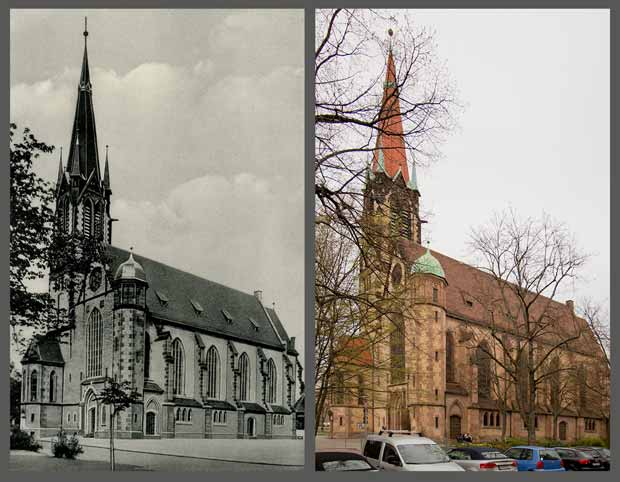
<point x="600" y="453"/>
<point x="575" y="459"/>
<point x="341" y="462"/>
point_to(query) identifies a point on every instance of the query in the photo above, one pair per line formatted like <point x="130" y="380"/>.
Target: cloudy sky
<point x="203" y="112"/>
<point x="534" y="130"/>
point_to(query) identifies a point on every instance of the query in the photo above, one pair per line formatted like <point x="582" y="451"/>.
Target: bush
<point x="64" y="446"/>
<point x="592" y="442"/>
<point x="21" y="440"/>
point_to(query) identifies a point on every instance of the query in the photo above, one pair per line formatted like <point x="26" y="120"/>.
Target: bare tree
<point x="355" y="295"/>
<point x="527" y="262"/>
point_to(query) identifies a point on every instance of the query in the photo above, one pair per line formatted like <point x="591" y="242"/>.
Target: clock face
<point x="95" y="279"/>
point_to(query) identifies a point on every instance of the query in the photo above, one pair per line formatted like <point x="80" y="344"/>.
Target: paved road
<point x="97" y="458"/>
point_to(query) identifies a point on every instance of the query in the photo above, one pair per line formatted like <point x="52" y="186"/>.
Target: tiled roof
<point x="186" y="402"/>
<point x="180" y="288"/>
<point x="253" y="407"/>
<point x="44" y="349"/>
<point x="220" y="405"/>
<point x="467" y="283"/>
<point x="151" y="386"/>
<point x="280" y="409"/>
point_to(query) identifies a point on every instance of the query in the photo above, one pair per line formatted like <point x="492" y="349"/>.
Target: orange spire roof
<point x="390" y="155"/>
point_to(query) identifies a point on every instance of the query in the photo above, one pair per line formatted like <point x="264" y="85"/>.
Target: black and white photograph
<point x="157" y="240"/>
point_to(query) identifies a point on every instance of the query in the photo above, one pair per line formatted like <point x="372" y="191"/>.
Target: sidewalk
<point x="264" y="452"/>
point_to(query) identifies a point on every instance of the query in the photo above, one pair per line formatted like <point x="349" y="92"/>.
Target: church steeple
<point x="84" y="153"/>
<point x="389" y="181"/>
<point x="390" y="155"/>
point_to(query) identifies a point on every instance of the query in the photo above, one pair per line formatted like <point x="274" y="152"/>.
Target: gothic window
<point x="183" y="417"/>
<point x="178" y="417"/>
<point x="64" y="222"/>
<point x="483" y="362"/>
<point x="34" y="385"/>
<point x="338" y="391"/>
<point x="554" y="384"/>
<point x="94" y="344"/>
<point x="485" y="419"/>
<point x="213" y="370"/>
<point x="435" y="295"/>
<point x="272" y="378"/>
<point x="244" y="377"/>
<point x="147" y="355"/>
<point x="397" y="350"/>
<point x="497" y="424"/>
<point x="53" y="386"/>
<point x="87" y="218"/>
<point x="450" y="375"/>
<point x="581" y="376"/>
<point x="361" y="395"/>
<point x="189" y="415"/>
<point x="405" y="223"/>
<point x="397" y="275"/>
<point x="178" y="368"/>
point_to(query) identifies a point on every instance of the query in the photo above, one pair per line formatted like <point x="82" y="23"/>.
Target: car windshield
<point x="492" y="455"/>
<point x="422" y="454"/>
<point x="346" y="465"/>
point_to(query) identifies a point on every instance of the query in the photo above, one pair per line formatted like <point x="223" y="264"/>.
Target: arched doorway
<point x="562" y="430"/>
<point x="398" y="416"/>
<point x="90" y="412"/>
<point x="150" y="423"/>
<point x="455" y="426"/>
<point x="251" y="427"/>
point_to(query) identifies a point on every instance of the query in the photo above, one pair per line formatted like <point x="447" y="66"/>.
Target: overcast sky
<point x="534" y="131"/>
<point x="203" y="112"/>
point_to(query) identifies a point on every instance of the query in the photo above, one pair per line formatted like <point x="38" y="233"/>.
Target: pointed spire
<point x="60" y="170"/>
<point x="390" y="145"/>
<point x="86" y="160"/>
<point x="106" y="171"/>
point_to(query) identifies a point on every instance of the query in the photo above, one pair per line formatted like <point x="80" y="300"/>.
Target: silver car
<point x="482" y="459"/>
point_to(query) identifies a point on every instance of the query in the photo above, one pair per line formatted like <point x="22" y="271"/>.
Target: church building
<point x="420" y="370"/>
<point x="206" y="360"/>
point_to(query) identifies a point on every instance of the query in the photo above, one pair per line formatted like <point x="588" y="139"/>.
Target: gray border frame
<point x="309" y="6"/>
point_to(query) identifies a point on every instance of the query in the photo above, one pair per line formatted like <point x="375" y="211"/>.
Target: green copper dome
<point x="428" y="264"/>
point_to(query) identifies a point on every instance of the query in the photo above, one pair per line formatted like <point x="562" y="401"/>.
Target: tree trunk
<point x="555" y="426"/>
<point x="112" y="420"/>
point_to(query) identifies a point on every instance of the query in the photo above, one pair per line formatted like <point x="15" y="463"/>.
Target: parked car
<point x="341" y="461"/>
<point x="575" y="459"/>
<point x="402" y="452"/>
<point x="477" y="459"/>
<point x="536" y="459"/>
<point x="603" y="454"/>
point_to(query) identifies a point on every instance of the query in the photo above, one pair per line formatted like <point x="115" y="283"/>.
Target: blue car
<point x="536" y="459"/>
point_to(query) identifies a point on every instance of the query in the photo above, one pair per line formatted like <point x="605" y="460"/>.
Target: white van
<point x="401" y="452"/>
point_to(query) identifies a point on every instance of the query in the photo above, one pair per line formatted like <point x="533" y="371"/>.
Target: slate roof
<point x="186" y="402"/>
<point x="253" y="407"/>
<point x="300" y="404"/>
<point x="44" y="349"/>
<point x="281" y="331"/>
<point x="180" y="288"/>
<point x="151" y="386"/>
<point x="280" y="409"/>
<point x="220" y="405"/>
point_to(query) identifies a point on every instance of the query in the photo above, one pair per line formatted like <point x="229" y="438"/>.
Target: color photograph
<point x="462" y="250"/>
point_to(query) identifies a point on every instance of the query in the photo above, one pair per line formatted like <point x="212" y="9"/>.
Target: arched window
<point x="87" y="218"/>
<point x="244" y="377"/>
<point x="178" y="369"/>
<point x="94" y="344"/>
<point x="485" y="419"/>
<point x="189" y="415"/>
<point x="497" y="424"/>
<point x="397" y="350"/>
<point x="272" y="379"/>
<point x="34" y="385"/>
<point x="338" y="390"/>
<point x="183" y="417"/>
<point x="53" y="386"/>
<point x="178" y="417"/>
<point x="450" y="374"/>
<point x="147" y="355"/>
<point x="213" y="371"/>
<point x="483" y="362"/>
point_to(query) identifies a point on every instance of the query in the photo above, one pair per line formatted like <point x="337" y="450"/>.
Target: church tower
<point x="82" y="194"/>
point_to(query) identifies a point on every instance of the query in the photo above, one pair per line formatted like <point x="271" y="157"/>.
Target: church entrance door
<point x="91" y="422"/>
<point x="150" y="423"/>
<point x="455" y="426"/>
<point x="251" y="427"/>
